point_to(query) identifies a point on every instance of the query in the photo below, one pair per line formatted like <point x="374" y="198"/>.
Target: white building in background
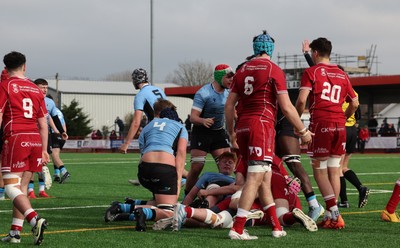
<point x="103" y="101"/>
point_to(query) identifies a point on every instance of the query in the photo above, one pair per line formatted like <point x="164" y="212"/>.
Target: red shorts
<point x="329" y="139"/>
<point x="22" y="152"/>
<point x="256" y="140"/>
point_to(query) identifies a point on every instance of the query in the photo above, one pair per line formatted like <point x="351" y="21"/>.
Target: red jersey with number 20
<point x="329" y="87"/>
<point x="21" y="103"/>
<point x="257" y="83"/>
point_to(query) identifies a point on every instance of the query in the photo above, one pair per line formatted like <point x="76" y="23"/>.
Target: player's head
<point x="227" y="162"/>
<point x="42" y="84"/>
<point x="263" y="43"/>
<point x="139" y="76"/>
<point x="322" y="46"/>
<point x="162" y="104"/>
<point x="222" y="73"/>
<point x="14" y="60"/>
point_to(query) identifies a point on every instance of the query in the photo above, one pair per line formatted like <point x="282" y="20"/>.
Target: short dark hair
<point x="40" y="81"/>
<point x="322" y="45"/>
<point x="14" y="60"/>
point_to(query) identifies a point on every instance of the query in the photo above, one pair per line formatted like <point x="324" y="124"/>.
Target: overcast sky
<point x="95" y="38"/>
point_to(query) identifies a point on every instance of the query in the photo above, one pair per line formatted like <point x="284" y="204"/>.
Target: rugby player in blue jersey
<point x="162" y="143"/>
<point x="207" y="115"/>
<point x="144" y="101"/>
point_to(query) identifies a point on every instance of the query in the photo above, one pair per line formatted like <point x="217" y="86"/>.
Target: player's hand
<point x="233" y="140"/>
<point x="208" y="122"/>
<point x="124" y="148"/>
<point x="202" y="194"/>
<point x="45" y="158"/>
<point x="306" y="138"/>
<point x="305" y="46"/>
<point x="64" y="136"/>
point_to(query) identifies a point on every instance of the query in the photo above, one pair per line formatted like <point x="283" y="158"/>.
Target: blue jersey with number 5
<point x="146" y="98"/>
<point x="161" y="134"/>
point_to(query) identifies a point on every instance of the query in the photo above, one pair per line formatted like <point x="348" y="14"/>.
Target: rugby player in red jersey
<point x="258" y="86"/>
<point x="326" y="87"/>
<point x="23" y="115"/>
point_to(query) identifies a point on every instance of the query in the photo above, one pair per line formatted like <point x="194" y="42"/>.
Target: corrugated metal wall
<point x="103" y="109"/>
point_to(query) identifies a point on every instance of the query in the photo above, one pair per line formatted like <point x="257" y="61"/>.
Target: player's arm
<point x="137" y="117"/>
<point x="180" y="159"/>
<point x="230" y="114"/>
<point x="57" y="124"/>
<point x="189" y="198"/>
<point x="52" y="125"/>
<point x="200" y="121"/>
<point x="306" y="51"/>
<point x="353" y="105"/>
<point x="301" y="101"/>
<point x="44" y="134"/>
<point x="224" y="190"/>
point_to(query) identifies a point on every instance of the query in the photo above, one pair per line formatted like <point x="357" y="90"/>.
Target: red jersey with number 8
<point x="21" y="103"/>
<point x="329" y="87"/>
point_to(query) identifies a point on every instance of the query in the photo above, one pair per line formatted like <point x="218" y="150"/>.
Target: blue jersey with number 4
<point x="146" y="98"/>
<point x="161" y="134"/>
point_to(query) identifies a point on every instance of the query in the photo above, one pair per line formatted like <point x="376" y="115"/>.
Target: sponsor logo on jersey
<point x="19" y="164"/>
<point x="30" y="144"/>
<point x="15" y="88"/>
<point x="256" y="150"/>
<point x="321" y="150"/>
<point x="323" y="72"/>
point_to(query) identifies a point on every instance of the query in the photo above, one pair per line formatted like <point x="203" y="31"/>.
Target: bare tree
<point x="191" y="73"/>
<point x="120" y="76"/>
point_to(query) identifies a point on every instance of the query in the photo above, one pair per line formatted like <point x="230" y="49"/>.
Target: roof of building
<point x="98" y="87"/>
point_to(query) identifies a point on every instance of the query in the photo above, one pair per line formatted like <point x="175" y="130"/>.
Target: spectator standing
<point x="363" y="136"/>
<point x="121" y="126"/>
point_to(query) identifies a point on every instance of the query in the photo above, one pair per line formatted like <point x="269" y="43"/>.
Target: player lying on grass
<point x="209" y="188"/>
<point x="284" y="190"/>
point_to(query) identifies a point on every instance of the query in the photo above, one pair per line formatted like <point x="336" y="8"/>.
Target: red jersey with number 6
<point x="330" y="87"/>
<point x="21" y="103"/>
<point x="257" y="83"/>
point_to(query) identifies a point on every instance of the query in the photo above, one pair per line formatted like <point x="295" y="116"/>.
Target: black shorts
<point x="57" y="141"/>
<point x="208" y="140"/>
<point x="158" y="178"/>
<point x="284" y="128"/>
<point x="351" y="139"/>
